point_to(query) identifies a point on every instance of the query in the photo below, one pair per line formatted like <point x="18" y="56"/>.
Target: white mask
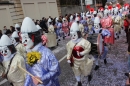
<point x="28" y="43"/>
<point x="74" y="36"/>
<point x="13" y="41"/>
<point x="96" y="26"/>
<point x="6" y="53"/>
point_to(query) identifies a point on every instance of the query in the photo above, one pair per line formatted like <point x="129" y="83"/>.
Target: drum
<point x="96" y="41"/>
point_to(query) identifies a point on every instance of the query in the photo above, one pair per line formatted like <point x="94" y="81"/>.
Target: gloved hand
<point x="69" y="61"/>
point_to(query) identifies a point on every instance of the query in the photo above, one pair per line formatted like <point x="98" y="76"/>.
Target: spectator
<point x="12" y="29"/>
<point x="126" y="25"/>
<point x="4" y="30"/>
<point x="43" y="25"/>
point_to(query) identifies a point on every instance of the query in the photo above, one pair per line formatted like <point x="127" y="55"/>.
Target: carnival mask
<point x="74" y="36"/>
<point x="13" y="41"/>
<point x="96" y="26"/>
<point x="6" y="53"/>
<point x="26" y="41"/>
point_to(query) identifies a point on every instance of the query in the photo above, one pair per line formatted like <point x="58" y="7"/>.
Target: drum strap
<point x="9" y="66"/>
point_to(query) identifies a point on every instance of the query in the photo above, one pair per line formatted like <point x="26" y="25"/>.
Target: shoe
<point x="63" y="38"/>
<point x="105" y="61"/>
<point x="79" y="84"/>
<point x="89" y="78"/>
<point x="127" y="74"/>
<point x="96" y="68"/>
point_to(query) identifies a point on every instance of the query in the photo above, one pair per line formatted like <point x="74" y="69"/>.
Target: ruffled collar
<point x="76" y="41"/>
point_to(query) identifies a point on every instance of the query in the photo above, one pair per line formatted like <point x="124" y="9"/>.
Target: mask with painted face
<point x="28" y="43"/>
<point x="97" y="28"/>
<point x="6" y="53"/>
<point x="74" y="36"/>
<point x="13" y="40"/>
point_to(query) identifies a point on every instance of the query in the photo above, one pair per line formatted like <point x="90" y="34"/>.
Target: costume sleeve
<point x="106" y="32"/>
<point x="68" y="50"/>
<point x="52" y="68"/>
<point x="87" y="47"/>
<point x="28" y="81"/>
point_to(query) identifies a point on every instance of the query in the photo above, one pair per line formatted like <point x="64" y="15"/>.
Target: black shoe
<point x="58" y="39"/>
<point x="89" y="78"/>
<point x="11" y="84"/>
<point x="118" y="37"/>
<point x="127" y="74"/>
<point x="105" y="61"/>
<point x="96" y="68"/>
<point x="79" y="84"/>
<point x="63" y="38"/>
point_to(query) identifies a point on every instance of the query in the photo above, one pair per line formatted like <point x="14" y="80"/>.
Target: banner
<point x="88" y="2"/>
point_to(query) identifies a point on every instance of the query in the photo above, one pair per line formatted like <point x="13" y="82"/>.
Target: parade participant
<point x="65" y="27"/>
<point x="117" y="22"/>
<point x="71" y="21"/>
<point x="49" y="39"/>
<point x="84" y="23"/>
<point x="17" y="27"/>
<point x="12" y="61"/>
<point x="126" y="26"/>
<point x="107" y="23"/>
<point x="78" y="49"/>
<point x="90" y="24"/>
<point x="81" y="27"/>
<point x="16" y="42"/>
<point x="104" y="33"/>
<point x="43" y="64"/>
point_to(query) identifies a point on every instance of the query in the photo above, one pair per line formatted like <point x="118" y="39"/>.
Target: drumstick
<point x="29" y="74"/>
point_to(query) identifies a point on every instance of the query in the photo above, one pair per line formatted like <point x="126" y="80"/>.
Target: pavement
<point x="111" y="74"/>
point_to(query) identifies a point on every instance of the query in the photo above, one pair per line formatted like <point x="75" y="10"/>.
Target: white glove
<point x="68" y="61"/>
<point x="78" y="53"/>
<point x="81" y="54"/>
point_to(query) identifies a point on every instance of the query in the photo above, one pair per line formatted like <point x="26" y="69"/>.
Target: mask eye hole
<point x="5" y="51"/>
<point x="25" y="40"/>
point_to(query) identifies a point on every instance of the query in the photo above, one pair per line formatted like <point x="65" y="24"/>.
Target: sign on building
<point x="88" y="2"/>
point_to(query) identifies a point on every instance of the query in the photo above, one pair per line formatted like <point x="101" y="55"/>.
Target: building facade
<point x="14" y="11"/>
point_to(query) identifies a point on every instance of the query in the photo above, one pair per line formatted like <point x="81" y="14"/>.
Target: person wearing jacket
<point x="43" y="65"/>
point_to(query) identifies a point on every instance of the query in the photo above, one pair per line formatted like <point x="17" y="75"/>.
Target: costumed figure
<point x="84" y="23"/>
<point x="71" y="21"/>
<point x="59" y="31"/>
<point x="65" y="27"/>
<point x="81" y="27"/>
<point x="103" y="49"/>
<point x="90" y="24"/>
<point x="117" y="23"/>
<point x="51" y="36"/>
<point x="16" y="42"/>
<point x="107" y="23"/>
<point x="43" y="65"/>
<point x="12" y="62"/>
<point x="17" y="28"/>
<point x="78" y="49"/>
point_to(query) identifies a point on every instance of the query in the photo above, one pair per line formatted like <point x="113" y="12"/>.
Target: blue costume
<point x="47" y="69"/>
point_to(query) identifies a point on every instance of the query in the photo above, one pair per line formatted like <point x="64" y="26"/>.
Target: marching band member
<point x="12" y="61"/>
<point x="78" y="49"/>
<point x="43" y="65"/>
